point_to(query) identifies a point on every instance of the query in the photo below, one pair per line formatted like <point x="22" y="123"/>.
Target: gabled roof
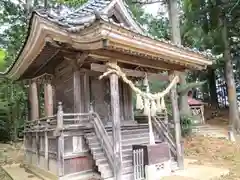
<point x="74" y="21"/>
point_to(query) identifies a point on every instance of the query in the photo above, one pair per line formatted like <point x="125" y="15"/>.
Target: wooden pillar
<point x="34" y="114"/>
<point x="177" y="126"/>
<point x="48" y="106"/>
<point x="60" y="138"/>
<point x="48" y="98"/>
<point x="33" y="98"/>
<point x="116" y="128"/>
<point x="125" y="103"/>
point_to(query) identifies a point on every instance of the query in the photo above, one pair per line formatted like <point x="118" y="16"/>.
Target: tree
<point x="13" y="100"/>
<point x="218" y="19"/>
<point x="173" y="12"/>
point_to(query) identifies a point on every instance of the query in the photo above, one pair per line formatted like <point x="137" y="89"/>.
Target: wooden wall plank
<point x="77" y="92"/>
<point x="86" y="91"/>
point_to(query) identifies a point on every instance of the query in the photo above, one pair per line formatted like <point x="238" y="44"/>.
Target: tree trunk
<point x="212" y="87"/>
<point x="232" y="99"/>
<point x="176" y="38"/>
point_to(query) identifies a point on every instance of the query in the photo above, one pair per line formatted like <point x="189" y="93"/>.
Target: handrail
<point x="104" y="139"/>
<point x="163" y="130"/>
<point x="76" y="114"/>
<point x="41" y="119"/>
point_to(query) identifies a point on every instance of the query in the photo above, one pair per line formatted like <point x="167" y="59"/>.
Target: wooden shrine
<point x="80" y="125"/>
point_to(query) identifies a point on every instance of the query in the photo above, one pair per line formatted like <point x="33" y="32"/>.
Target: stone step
<point x="125" y="164"/>
<point x="128" y="176"/>
<point x="107" y="172"/>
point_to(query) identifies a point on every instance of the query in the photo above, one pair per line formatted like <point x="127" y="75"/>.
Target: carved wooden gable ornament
<point x="105" y="29"/>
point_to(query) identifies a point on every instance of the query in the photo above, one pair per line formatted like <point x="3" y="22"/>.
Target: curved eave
<point x="41" y="30"/>
<point x="129" y="42"/>
<point x="91" y="38"/>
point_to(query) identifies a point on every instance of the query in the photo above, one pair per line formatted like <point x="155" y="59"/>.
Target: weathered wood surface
<point x="100" y="98"/>
<point x="115" y="106"/>
<point x="63" y="83"/>
<point x="129" y="59"/>
<point x="86" y="91"/>
<point x="34" y="103"/>
<point x="130" y="72"/>
<point x="127" y="102"/>
<point x="103" y="138"/>
<point x="60" y="150"/>
<point x="48" y="99"/>
<point x="176" y="119"/>
<point x="77" y="92"/>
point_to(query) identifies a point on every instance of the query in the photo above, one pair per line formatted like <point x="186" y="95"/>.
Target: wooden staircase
<point x="100" y="143"/>
<point x="137" y="135"/>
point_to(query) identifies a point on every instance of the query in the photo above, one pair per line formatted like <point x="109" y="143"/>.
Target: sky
<point x="155" y="8"/>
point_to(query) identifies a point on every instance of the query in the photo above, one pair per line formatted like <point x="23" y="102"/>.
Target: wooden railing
<point x="102" y="135"/>
<point x="48" y="123"/>
<point x="164" y="131"/>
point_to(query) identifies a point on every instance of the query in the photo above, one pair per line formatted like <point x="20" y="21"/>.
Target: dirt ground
<point x="208" y="151"/>
<point x="10" y="154"/>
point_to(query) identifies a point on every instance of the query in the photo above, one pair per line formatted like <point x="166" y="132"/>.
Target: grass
<point x="217" y="152"/>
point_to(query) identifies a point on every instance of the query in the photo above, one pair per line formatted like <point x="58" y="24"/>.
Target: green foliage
<point x="183" y="90"/>
<point x="186" y="125"/>
<point x="2" y="59"/>
<point x="71" y="3"/>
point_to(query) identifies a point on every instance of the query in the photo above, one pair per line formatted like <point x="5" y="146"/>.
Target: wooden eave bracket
<point x="77" y="61"/>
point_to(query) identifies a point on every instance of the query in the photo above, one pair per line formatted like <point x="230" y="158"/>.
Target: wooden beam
<point x="176" y="120"/>
<point x="115" y="107"/>
<point x="130" y="72"/>
<point x="141" y="61"/>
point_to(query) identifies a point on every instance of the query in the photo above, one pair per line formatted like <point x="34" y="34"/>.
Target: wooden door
<point x="100" y="98"/>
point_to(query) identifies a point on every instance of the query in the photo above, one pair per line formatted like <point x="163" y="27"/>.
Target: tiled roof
<point x="75" y="20"/>
<point x="72" y="17"/>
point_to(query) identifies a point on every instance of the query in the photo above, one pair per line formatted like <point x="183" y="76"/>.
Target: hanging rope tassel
<point x="163" y="106"/>
<point x="153" y="108"/>
<point x="139" y="102"/>
<point x="146" y="110"/>
<point x="159" y="105"/>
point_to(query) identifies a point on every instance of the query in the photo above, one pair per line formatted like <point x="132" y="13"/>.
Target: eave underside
<point x="48" y="44"/>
